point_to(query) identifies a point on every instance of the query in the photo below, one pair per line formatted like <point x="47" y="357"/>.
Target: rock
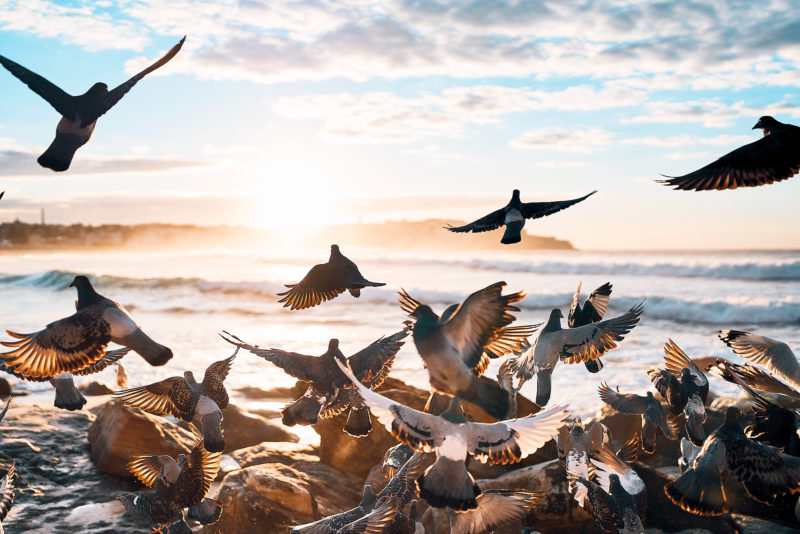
<point x="275" y="453"/>
<point x="96" y="388"/>
<point x="252" y="392"/>
<point x="120" y="432"/>
<point x="266" y="498"/>
<point x="5" y="388"/>
<point x="243" y="429"/>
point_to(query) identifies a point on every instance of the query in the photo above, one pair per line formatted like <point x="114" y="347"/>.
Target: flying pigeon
<point x="495" y="509"/>
<point x="592" y="311"/>
<point x="7" y="491"/>
<point x="368" y="516"/>
<point x="753" y="376"/>
<point x="764" y="472"/>
<point x="326" y="281"/>
<point x="184" y="398"/>
<point x="78" y="113"/>
<point x="689" y="452"/>
<point x="685" y="388"/>
<point x="575" y="445"/>
<point x="330" y="392"/>
<point x="453" y="347"/>
<point x="67" y="395"/>
<point x="570" y="345"/>
<point x="773" y="158"/>
<point x="447" y="483"/>
<point x="394" y="458"/>
<point x="173" y="493"/>
<point x="761" y="350"/>
<point x="653" y="414"/>
<point x="513" y="216"/>
<point x="79" y="341"/>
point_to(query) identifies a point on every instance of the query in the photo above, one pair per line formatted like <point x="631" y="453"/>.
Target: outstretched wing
<point x="55" y="96"/>
<point x="628" y="403"/>
<point x="172" y="396"/>
<point x="112" y="356"/>
<point x="761" y="350"/>
<point x="593" y="340"/>
<point x="146" y="468"/>
<point x="300" y="366"/>
<point x="322" y="283"/>
<point x="7" y="490"/>
<point x="677" y="360"/>
<point x="372" y="364"/>
<point x="764" y="472"/>
<point x="493" y="221"/>
<point x="495" y="508"/>
<point x="199" y="471"/>
<point x="535" y="210"/>
<point x="755" y="377"/>
<point x="213" y="380"/>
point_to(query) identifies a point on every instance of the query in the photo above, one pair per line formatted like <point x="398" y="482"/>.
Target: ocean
<point x="183" y="299"/>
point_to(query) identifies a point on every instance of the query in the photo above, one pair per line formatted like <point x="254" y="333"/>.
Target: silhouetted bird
<point x="653" y="414"/>
<point x="764" y="472"/>
<point x="513" y="216"/>
<point x="447" y="483"/>
<point x="685" y="388"/>
<point x="78" y="113"/>
<point x="496" y="508"/>
<point x="592" y="311"/>
<point x="574" y="447"/>
<point x="330" y="392"/>
<point x="183" y="397"/>
<point x="570" y="345"/>
<point x="7" y="491"/>
<point x="773" y="158"/>
<point x="761" y="350"/>
<point x="453" y="347"/>
<point x="76" y="342"/>
<point x="326" y="281"/>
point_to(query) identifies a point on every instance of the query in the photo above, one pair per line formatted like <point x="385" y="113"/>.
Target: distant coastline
<point x="407" y="235"/>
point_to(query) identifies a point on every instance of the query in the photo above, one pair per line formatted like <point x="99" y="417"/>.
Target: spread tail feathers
<point x="594" y="366"/>
<point x="447" y="483"/>
<point x="58" y="155"/>
<point x="212" y="432"/>
<point x="358" y="421"/>
<point x="543" y="387"/>
<point x="303" y="411"/>
<point x="67" y="395"/>
<point x="512" y="233"/>
<point x="698" y="493"/>
<point x="207" y="512"/>
<point x="488" y="395"/>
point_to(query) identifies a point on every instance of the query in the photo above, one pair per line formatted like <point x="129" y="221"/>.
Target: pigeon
<point x="330" y="392"/>
<point x="764" y="472"/>
<point x="685" y="388"/>
<point x="67" y="395"/>
<point x="773" y="158"/>
<point x="495" y="509"/>
<point x="570" y="345"/>
<point x="326" y="281"/>
<point x="653" y="414"/>
<point x="592" y="311"/>
<point x="394" y="458"/>
<point x="79" y="341"/>
<point x="513" y="216"/>
<point x="165" y="507"/>
<point x="453" y="347"/>
<point x="405" y="524"/>
<point x="689" y="452"/>
<point x="7" y="491"/>
<point x="402" y="488"/>
<point x="5" y="408"/>
<point x="353" y="520"/>
<point x="447" y="483"/>
<point x="79" y="114"/>
<point x="753" y="376"/>
<point x="575" y="445"/>
<point x="760" y="350"/>
<point x="184" y="398"/>
<point x="122" y="377"/>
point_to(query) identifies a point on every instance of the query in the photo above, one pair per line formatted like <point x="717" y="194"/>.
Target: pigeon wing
<point x="64" y="346"/>
<point x="597" y="304"/>
<point x="408" y="303"/>
<point x="628" y="403"/>
<point x="60" y="100"/>
<point x="322" y="283"/>
<point x="535" y="210"/>
<point x="112" y="356"/>
<point x="593" y="340"/>
<point x="754" y="377"/>
<point x="373" y="363"/>
<point x="300" y="366"/>
<point x="677" y="360"/>
<point x="495" y="508"/>
<point x="146" y="468"/>
<point x="772" y="158"/>
<point x="199" y="471"/>
<point x="172" y="396"/>
<point x="213" y="381"/>
<point x="763" y="471"/>
<point x="511" y="339"/>
<point x="493" y="221"/>
<point x="402" y="488"/>
<point x="5" y="408"/>
<point x="7" y="490"/>
<point x="761" y="350"/>
<point x="575" y="313"/>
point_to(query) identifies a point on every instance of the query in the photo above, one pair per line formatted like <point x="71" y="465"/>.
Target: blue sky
<point x="283" y="112"/>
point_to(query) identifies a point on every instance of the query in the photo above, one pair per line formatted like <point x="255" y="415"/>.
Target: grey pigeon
<point x="592" y="311"/>
<point x="619" y="489"/>
<point x="394" y="458"/>
<point x="453" y="347"/>
<point x="575" y="445"/>
<point x="761" y="350"/>
<point x="335" y="523"/>
<point x="7" y="492"/>
<point x="447" y="483"/>
<point x="513" y="216"/>
<point x="79" y="341"/>
<point x="495" y="509"/>
<point x="653" y="415"/>
<point x="774" y="157"/>
<point x="689" y="452"/>
<point x="78" y="113"/>
<point x="764" y="472"/>
<point x="326" y="281"/>
<point x="185" y="398"/>
<point x="570" y="345"/>
<point x="330" y="392"/>
<point x="685" y="388"/>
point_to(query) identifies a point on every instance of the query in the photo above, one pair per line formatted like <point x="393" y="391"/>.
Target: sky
<point x="299" y="113"/>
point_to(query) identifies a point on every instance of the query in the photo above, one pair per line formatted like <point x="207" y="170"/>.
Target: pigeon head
<point x="454" y="413"/>
<point x="732" y="415"/>
<point x="97" y="89"/>
<point x="515" y="195"/>
<point x="686" y="374"/>
<point x="86" y="293"/>
<point x="423" y="312"/>
<point x="81" y="282"/>
<point x="189" y="376"/>
<point x="766" y="124"/>
<point x="615" y="486"/>
<point x="333" y="345"/>
<point x="171" y="469"/>
<point x="335" y="251"/>
<point x="554" y="322"/>
<point x="181" y="460"/>
<point x="369" y="498"/>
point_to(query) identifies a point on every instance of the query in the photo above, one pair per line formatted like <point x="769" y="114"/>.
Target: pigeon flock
<point x="430" y="465"/>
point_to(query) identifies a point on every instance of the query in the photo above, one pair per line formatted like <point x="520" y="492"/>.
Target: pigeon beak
<point x="757" y="126"/>
<point x="72" y="284"/>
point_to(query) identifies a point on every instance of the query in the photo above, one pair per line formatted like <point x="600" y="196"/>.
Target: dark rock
<point x="243" y="429"/>
<point x="275" y="453"/>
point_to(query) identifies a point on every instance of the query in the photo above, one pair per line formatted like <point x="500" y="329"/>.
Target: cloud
<point x="686" y="155"/>
<point x="560" y="164"/>
<point x="712" y="113"/>
<point x="560" y="139"/>
<point x="687" y="140"/>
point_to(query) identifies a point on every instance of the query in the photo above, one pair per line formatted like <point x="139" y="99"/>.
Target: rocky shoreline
<point x="71" y="465"/>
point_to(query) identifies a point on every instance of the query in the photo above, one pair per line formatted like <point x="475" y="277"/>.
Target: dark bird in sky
<point x="79" y="341"/>
<point x="761" y="350"/>
<point x="685" y="388"/>
<point x="457" y="346"/>
<point x="7" y="490"/>
<point x="79" y="114"/>
<point x="764" y="472"/>
<point x="330" y="392"/>
<point x="774" y="157"/>
<point x="496" y="507"/>
<point x="326" y="281"/>
<point x="513" y="216"/>
<point x="592" y="311"/>
<point x="653" y="414"/>
<point x="68" y="397"/>
<point x="574" y="446"/>
<point x="183" y="397"/>
<point x="179" y="484"/>
<point x="570" y="345"/>
<point x="447" y="483"/>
